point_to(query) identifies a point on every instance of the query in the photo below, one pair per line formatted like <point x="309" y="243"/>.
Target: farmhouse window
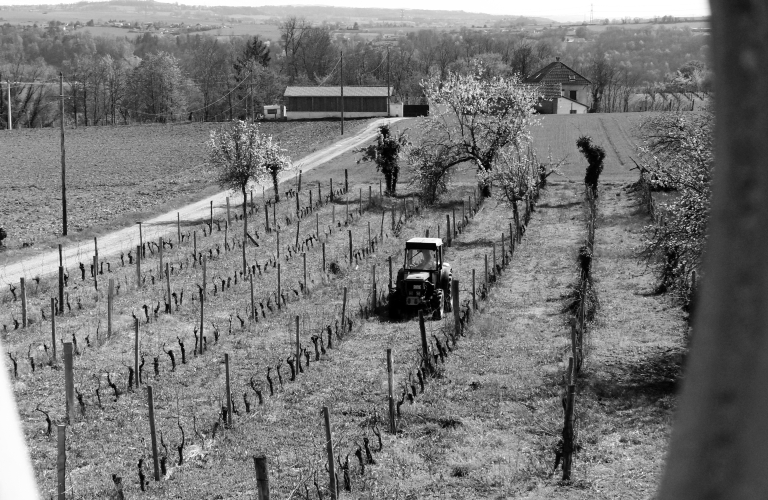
<point x="573" y="95"/>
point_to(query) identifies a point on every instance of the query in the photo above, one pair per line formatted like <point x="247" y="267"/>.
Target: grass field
<point x="615" y="132"/>
<point x="116" y="176"/>
<point x="485" y="427"/>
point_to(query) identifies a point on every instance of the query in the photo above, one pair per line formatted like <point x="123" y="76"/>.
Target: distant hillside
<point x="151" y="9"/>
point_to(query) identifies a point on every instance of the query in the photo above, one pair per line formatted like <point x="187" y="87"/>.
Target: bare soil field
<point x="116" y="176"/>
<point x="487" y="423"/>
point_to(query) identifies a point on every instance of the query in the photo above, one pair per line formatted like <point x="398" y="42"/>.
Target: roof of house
<point x="557" y="72"/>
<point x="336" y="92"/>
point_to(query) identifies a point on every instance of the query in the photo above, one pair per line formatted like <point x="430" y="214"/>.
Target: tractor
<point x="424" y="281"/>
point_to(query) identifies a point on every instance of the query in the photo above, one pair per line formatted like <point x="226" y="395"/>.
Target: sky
<point x="572" y="9"/>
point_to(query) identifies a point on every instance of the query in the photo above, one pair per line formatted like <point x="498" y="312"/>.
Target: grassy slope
<point x="116" y="176"/>
<point x="485" y="429"/>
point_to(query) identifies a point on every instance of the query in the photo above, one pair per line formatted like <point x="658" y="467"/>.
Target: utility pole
<point x="388" y="115"/>
<point x="63" y="163"/>
<point x="341" y="79"/>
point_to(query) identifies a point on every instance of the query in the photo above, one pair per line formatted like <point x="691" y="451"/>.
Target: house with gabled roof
<point x="563" y="90"/>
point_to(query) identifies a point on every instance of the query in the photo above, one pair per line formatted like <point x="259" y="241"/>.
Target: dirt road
<point x="127" y="238"/>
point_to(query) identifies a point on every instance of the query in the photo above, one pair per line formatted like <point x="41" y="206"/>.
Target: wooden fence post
<point x="298" y="228"/>
<point x="262" y="476"/>
<point x="160" y="241"/>
<point x="474" y="294"/>
<point x="69" y="383"/>
<point x="424" y="344"/>
<point x="331" y="194"/>
<point x="53" y="328"/>
<point x="61" y="462"/>
<point x="194" y="248"/>
<point x="381" y="231"/>
<point x="391" y="392"/>
<point x="229" y="220"/>
<point x="178" y="228"/>
<point x="456" y="307"/>
<point x="23" y="286"/>
<point x="323" y="257"/>
<point x="369" y="235"/>
<point x="317" y="226"/>
<point x="152" y="431"/>
<point x="229" y="390"/>
<point x="346" y="181"/>
<point x="266" y="217"/>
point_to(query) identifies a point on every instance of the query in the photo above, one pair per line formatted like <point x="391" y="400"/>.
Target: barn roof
<point x="557" y="72"/>
<point x="336" y="91"/>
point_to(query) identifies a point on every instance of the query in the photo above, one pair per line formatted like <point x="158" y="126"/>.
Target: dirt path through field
<point x="125" y="239"/>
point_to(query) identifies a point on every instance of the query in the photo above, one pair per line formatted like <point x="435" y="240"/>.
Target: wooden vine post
<point x="391" y="393"/>
<point x="53" y="328"/>
<point x="390" y="272"/>
<point x="266" y="217"/>
<point x="329" y="452"/>
<point x="229" y="390"/>
<point x="279" y="291"/>
<point x="323" y="257"/>
<point x="448" y="229"/>
<point x="229" y="220"/>
<point x="61" y="462"/>
<point x="374" y="301"/>
<point x="202" y="317"/>
<point x="254" y="315"/>
<point x="456" y="307"/>
<point x="424" y="344"/>
<point x="178" y="228"/>
<point x="61" y="282"/>
<point x="153" y="432"/>
<point x="474" y="293"/>
<point x="568" y="433"/>
<point x="69" y="383"/>
<point x="486" y="273"/>
<point x="23" y="286"/>
<point x="194" y="248"/>
<point x="95" y="272"/>
<point x="262" y="476"/>
<point x="136" y="352"/>
<point x="168" y="287"/>
<point x="350" y="246"/>
<point x="138" y="267"/>
<point x="304" y="259"/>
<point x="298" y="344"/>
<point x="344" y="310"/>
<point x="110" y="305"/>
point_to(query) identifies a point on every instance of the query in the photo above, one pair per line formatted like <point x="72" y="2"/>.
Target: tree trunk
<point x="717" y="449"/>
<point x="274" y="184"/>
<point x="245" y="229"/>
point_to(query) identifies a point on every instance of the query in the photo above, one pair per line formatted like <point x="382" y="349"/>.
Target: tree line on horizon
<point x="118" y="80"/>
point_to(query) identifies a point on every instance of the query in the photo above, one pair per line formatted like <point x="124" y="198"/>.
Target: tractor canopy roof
<point x="428" y="243"/>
